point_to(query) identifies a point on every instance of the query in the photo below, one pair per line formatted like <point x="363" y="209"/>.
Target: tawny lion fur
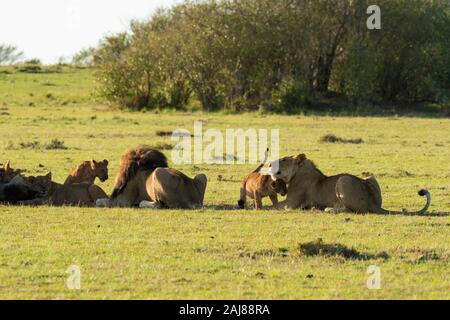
<point x="257" y="186"/>
<point x="145" y="180"/>
<point x="308" y="187"/>
<point x="88" y="171"/>
<point x="56" y="194"/>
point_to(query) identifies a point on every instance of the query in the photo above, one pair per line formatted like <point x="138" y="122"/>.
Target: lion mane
<point x="141" y="158"/>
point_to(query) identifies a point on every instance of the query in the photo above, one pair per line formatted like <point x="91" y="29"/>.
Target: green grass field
<point x="223" y="253"/>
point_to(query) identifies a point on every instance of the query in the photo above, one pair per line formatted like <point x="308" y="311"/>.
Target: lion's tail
<point x="143" y="157"/>
<point x="243" y="198"/>
<point x="422" y="193"/>
<point x="263" y="163"/>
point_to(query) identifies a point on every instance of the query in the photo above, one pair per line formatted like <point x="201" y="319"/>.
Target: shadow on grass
<point x="271" y="209"/>
<point x="265" y="253"/>
<point x="319" y="248"/>
<point x="331" y="138"/>
<point x="407" y="214"/>
<point x="337" y="105"/>
<point x="234" y="208"/>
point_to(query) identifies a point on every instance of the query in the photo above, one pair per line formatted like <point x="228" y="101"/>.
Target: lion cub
<point x="7" y="173"/>
<point x="55" y="194"/>
<point x="88" y="171"/>
<point x="257" y="186"/>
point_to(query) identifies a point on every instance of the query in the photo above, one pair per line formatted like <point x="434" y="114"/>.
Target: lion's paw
<point x="102" y="203"/>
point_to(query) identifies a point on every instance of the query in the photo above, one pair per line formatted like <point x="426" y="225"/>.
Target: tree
<point x="84" y="57"/>
<point x="405" y="60"/>
<point x="278" y="54"/>
<point x="9" y="54"/>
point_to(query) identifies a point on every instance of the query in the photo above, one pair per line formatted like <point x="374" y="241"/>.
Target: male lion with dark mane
<point x="308" y="187"/>
<point x="144" y="179"/>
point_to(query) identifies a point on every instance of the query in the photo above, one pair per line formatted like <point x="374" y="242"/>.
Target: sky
<point x="50" y="29"/>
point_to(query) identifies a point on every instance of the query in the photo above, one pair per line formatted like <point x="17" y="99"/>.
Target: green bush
<point x="290" y="98"/>
<point x="279" y="55"/>
<point x="34" y="62"/>
<point x="30" y="69"/>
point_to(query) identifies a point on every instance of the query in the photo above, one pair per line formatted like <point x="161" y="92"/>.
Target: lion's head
<point x="279" y="186"/>
<point x="140" y="158"/>
<point x="41" y="184"/>
<point x="7" y="173"/>
<point x="5" y="166"/>
<point x="100" y="169"/>
<point x="286" y="168"/>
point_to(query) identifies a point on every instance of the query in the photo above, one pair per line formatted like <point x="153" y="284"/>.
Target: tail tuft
<point x="241" y="204"/>
<point x="422" y="193"/>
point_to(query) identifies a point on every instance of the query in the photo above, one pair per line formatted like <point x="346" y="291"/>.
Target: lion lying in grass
<point x="7" y="173"/>
<point x="16" y="190"/>
<point x="308" y="187"/>
<point x="56" y="194"/>
<point x="145" y="180"/>
<point x="13" y="186"/>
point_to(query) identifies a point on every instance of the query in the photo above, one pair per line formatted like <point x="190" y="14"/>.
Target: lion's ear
<point x="274" y="184"/>
<point x="93" y="164"/>
<point x="300" y="158"/>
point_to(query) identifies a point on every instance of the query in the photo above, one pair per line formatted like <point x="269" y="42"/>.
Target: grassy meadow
<point x="218" y="252"/>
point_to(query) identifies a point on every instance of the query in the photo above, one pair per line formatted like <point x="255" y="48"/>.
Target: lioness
<point x="56" y="194"/>
<point x="170" y="188"/>
<point x="88" y="171"/>
<point x="257" y="186"/>
<point x="16" y="190"/>
<point x="309" y="187"/>
<point x="7" y="173"/>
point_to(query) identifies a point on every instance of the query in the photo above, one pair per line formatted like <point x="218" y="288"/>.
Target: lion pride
<point x="56" y="194"/>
